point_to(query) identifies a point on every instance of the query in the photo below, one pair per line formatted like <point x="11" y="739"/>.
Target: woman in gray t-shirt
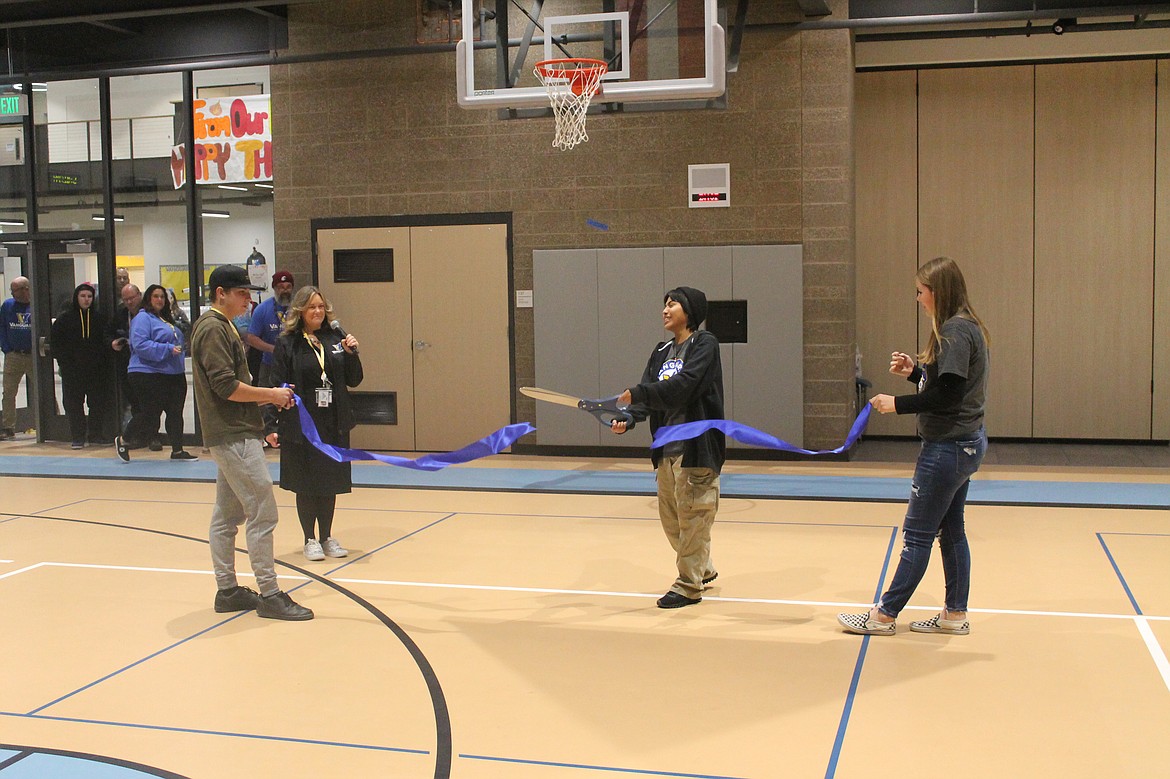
<point x="952" y="389"/>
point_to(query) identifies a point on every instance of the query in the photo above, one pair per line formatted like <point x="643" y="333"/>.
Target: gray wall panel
<point x="629" y="296"/>
<point x="769" y="367"/>
<point x="564" y="301"/>
<point x="597" y="316"/>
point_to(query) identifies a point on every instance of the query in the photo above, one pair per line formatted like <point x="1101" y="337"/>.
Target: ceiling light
<point x="102" y="218"/>
<point x="237" y="189"/>
<point x="9" y="222"/>
<point x="216" y="214"/>
<point x="266" y="186"/>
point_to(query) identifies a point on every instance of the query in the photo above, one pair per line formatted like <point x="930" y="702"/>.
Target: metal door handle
<point x="43" y="346"/>
<point x="420" y="345"/>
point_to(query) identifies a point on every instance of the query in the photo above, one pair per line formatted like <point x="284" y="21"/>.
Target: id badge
<point x="324" y="397"/>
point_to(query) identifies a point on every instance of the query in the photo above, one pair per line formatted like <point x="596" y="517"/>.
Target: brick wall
<point x="380" y="136"/>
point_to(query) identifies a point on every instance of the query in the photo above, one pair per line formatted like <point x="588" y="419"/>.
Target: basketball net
<point x="571" y="84"/>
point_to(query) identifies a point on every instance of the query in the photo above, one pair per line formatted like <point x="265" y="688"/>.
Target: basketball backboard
<point x="657" y="50"/>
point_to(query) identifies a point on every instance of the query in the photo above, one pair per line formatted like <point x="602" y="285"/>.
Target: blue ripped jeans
<point x="937" y="498"/>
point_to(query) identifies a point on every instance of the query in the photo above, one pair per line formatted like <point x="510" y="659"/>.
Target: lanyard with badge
<point x="325" y="391"/>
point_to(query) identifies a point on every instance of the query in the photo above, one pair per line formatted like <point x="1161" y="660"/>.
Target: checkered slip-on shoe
<point x="863" y="625"/>
<point x="936" y="624"/>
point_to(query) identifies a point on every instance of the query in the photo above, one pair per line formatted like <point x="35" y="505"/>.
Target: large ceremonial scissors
<point x="605" y="410"/>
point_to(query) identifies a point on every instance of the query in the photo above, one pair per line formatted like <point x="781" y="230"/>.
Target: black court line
<point x="89" y="756"/>
<point x="443" y="750"/>
<point x="25" y="752"/>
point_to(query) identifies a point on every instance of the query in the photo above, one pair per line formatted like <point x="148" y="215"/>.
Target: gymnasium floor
<point x="503" y="625"/>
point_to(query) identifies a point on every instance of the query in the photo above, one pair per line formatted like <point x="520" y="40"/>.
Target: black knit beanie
<point x="693" y="302"/>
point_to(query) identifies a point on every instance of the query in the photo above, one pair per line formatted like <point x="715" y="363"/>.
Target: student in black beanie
<point x="683" y="382"/>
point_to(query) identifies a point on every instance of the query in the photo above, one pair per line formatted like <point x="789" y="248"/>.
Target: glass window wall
<point x="67" y="123"/>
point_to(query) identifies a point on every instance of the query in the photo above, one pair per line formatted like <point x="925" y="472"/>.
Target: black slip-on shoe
<point x="672" y="600"/>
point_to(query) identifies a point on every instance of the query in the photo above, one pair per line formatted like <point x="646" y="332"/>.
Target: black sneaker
<point x="77" y="445"/>
<point x="281" y="606"/>
<point x="7" y="432"/>
<point x="672" y="600"/>
<point x="121" y="448"/>
<point x="236" y="599"/>
<point x="711" y="578"/>
<point x="155" y="445"/>
<point x="185" y="456"/>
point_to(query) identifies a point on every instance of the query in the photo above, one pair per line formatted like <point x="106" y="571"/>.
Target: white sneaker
<point x="334" y="549"/>
<point x="313" y="550"/>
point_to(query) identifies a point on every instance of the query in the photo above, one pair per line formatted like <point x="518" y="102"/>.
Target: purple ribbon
<point x="484" y="447"/>
<point x="749" y="435"/>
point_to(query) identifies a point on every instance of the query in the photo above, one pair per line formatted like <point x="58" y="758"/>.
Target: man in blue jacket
<point x="16" y="343"/>
<point x="268" y="323"/>
<point x="683" y="382"/>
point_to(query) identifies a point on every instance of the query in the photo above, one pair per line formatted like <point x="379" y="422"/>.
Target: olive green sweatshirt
<point x="219" y="365"/>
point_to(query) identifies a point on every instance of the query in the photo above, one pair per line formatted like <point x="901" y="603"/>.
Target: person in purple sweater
<point x="156" y="373"/>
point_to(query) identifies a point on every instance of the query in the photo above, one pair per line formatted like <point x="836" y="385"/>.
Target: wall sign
<point x="233" y="141"/>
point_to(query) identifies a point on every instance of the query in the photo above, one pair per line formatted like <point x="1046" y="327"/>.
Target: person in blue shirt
<point x="268" y="323"/>
<point x="16" y="343"/>
<point x="157" y="374"/>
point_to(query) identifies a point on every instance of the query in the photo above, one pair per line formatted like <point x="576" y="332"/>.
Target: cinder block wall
<point x="383" y="135"/>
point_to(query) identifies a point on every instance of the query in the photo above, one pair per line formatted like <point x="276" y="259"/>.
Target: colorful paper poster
<point x="233" y="141"/>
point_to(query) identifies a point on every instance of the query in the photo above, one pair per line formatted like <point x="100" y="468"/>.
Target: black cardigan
<point x="293" y="362"/>
<point x="697" y="390"/>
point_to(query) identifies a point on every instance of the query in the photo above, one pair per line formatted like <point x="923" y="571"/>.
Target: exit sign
<point x="13" y="105"/>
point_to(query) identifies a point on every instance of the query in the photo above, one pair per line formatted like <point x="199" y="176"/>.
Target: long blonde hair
<point x="294" y="317"/>
<point x="945" y="281"/>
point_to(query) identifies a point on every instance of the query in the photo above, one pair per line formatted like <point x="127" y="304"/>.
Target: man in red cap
<point x="267" y="323"/>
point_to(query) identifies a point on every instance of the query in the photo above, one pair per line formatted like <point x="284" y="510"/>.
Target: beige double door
<point x="437" y="335"/>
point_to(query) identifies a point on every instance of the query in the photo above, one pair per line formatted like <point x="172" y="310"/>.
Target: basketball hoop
<point x="571" y="84"/>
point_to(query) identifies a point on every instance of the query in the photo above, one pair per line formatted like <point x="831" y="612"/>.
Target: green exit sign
<point x="13" y="105"/>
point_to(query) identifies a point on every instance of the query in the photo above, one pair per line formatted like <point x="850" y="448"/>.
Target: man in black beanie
<point x="683" y="382"/>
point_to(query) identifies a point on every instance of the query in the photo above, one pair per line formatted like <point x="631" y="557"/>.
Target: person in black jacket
<point x="321" y="366"/>
<point x="78" y="341"/>
<point x="683" y="382"/>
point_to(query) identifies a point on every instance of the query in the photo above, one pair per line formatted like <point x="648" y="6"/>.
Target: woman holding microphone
<point x="321" y="364"/>
<point x="156" y="374"/>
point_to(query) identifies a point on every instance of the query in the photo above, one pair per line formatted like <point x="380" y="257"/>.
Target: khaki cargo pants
<point x="688" y="499"/>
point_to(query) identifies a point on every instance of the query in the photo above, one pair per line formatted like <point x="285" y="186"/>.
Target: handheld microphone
<point x="336" y="327"/>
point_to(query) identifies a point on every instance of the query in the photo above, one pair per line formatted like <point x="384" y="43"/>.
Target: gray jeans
<point x="243" y="493"/>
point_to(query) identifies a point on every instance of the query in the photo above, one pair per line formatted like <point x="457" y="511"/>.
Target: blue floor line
<point x="587" y="767"/>
<point x="205" y="732"/>
<point x="861" y="488"/>
<point x="855" y="680"/>
<point x="1120" y="576"/>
